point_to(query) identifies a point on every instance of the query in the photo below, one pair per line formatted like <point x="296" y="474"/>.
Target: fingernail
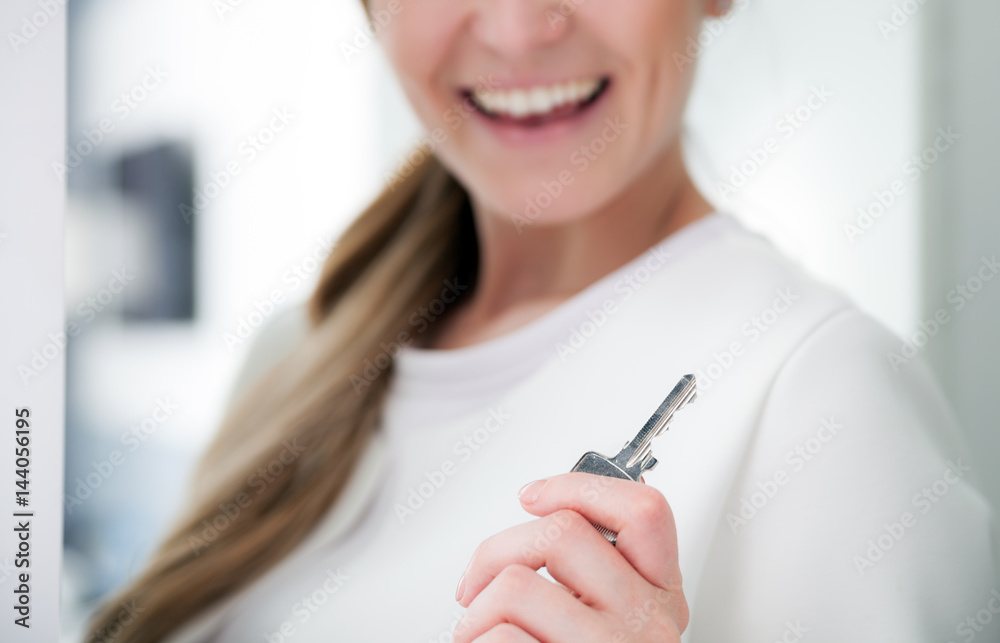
<point x="529" y="492"/>
<point x="460" y="592"/>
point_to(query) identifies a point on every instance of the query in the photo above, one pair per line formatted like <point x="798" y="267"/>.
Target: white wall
<point x="764" y="65"/>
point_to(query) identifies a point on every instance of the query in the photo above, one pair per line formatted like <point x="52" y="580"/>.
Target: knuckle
<point x="505" y="633"/>
<point x="513" y="581"/>
<point x="571" y="521"/>
<point x="484" y="549"/>
<point x="650" y="508"/>
<point x="673" y="614"/>
<point x="573" y="529"/>
<point x="574" y="532"/>
<point x="556" y="527"/>
<point x="533" y="554"/>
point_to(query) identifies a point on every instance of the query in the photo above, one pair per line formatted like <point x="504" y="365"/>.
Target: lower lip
<point x="566" y="127"/>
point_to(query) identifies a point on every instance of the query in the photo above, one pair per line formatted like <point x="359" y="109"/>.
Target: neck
<point x="522" y="274"/>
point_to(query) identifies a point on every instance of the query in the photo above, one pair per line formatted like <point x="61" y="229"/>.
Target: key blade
<point x="637" y="452"/>
<point x="683" y="392"/>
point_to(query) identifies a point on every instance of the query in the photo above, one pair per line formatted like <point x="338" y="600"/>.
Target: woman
<point x="530" y="291"/>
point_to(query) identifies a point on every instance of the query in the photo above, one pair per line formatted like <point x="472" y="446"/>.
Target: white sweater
<point x="821" y="493"/>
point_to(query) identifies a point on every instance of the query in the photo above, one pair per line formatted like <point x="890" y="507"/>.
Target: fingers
<point x="599" y="591"/>
<point x="506" y="633"/>
<point x="572" y="551"/>
<point x="520" y="596"/>
<point x="647" y="535"/>
<point x="571" y="592"/>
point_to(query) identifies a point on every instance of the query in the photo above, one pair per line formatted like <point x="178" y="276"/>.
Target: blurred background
<point x="216" y="149"/>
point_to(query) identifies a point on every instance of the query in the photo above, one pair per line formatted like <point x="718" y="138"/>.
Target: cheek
<point x="417" y="43"/>
<point x="648" y="39"/>
<point x="660" y="24"/>
<point x="645" y="37"/>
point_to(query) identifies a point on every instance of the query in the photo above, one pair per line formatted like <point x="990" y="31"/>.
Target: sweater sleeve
<point x="856" y="514"/>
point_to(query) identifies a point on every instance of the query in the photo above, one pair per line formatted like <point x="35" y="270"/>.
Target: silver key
<point x="636" y="456"/>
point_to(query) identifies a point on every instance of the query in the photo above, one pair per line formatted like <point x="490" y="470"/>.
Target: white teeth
<point x="519" y="103"/>
<point x="574" y="90"/>
<point x="539" y="100"/>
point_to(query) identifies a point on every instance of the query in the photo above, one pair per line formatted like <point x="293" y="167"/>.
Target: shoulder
<point x="727" y="267"/>
<point x="847" y="367"/>
<point x="274" y="341"/>
<point x="855" y="508"/>
<point x="857" y="505"/>
<point x="725" y="286"/>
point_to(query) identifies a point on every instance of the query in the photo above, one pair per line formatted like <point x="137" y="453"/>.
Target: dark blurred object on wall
<point x="156" y="179"/>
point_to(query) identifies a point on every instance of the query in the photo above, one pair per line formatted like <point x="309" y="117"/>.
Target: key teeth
<point x="648" y="463"/>
<point x="611" y="536"/>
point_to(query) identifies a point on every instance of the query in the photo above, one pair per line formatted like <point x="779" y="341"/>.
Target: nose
<point x="517" y="27"/>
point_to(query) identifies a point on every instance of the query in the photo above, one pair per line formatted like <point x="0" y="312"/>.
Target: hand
<point x="604" y="594"/>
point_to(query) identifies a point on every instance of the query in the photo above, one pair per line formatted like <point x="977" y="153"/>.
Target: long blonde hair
<point x="391" y="261"/>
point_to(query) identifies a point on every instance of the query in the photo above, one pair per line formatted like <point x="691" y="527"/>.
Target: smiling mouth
<point x="536" y="106"/>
